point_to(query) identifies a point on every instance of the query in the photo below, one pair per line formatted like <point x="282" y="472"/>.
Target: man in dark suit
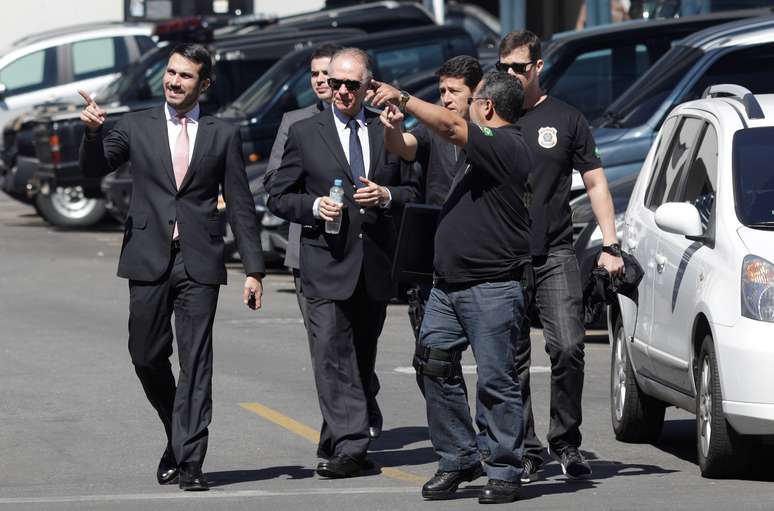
<point x="172" y="251"/>
<point x="345" y="277"/>
<point x="318" y="69"/>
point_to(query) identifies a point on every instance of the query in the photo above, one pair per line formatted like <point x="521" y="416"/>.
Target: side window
<point x="752" y="68"/>
<point x="661" y="150"/>
<point x="666" y="179"/>
<point x="409" y="60"/>
<point x="581" y="86"/>
<point x="701" y="180"/>
<point x="95" y="57"/>
<point x="144" y="43"/>
<point x="30" y="72"/>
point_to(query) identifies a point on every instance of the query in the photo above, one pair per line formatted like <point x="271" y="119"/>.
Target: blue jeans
<point x="488" y="316"/>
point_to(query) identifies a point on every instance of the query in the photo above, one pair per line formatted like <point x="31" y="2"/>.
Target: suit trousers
<point x="185" y="410"/>
<point x="559" y="300"/>
<point x="343" y="338"/>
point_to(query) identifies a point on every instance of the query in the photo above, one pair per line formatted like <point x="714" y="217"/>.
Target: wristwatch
<point x="403" y="99"/>
<point x="614" y="249"/>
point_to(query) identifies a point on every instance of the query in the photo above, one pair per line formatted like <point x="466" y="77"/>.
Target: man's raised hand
<point x="91" y="115"/>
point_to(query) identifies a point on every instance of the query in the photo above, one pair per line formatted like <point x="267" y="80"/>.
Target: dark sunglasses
<point x="351" y="85"/>
<point x="472" y="99"/>
<point x="518" y="67"/>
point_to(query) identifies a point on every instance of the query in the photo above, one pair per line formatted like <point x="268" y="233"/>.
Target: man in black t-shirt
<point x="559" y="140"/>
<point x="439" y="159"/>
<point x="481" y="255"/>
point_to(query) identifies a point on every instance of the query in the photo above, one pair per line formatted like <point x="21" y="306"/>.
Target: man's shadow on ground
<point x="228" y="477"/>
<point x="388" y="450"/>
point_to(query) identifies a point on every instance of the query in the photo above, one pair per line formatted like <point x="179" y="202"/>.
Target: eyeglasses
<point x="518" y="67"/>
<point x="472" y="99"/>
<point x="351" y="85"/>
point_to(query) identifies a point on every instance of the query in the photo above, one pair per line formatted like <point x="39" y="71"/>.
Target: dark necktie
<point x="355" y="153"/>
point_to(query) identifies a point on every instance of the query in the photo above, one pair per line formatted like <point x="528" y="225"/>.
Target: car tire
<point x="722" y="452"/>
<point x="636" y="417"/>
<point x="68" y="207"/>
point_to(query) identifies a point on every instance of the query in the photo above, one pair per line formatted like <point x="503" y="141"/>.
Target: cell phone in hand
<point x="251" y="301"/>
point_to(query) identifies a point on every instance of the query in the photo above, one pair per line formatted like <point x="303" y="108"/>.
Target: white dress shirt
<point x="174" y="126"/>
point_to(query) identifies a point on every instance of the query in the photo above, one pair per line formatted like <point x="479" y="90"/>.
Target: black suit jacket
<point x="141" y="137"/>
<point x="331" y="263"/>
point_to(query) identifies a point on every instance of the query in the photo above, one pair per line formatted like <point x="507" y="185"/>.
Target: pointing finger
<point x="86" y="97"/>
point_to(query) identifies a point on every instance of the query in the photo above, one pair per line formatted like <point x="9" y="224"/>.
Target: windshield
<point x="266" y="87"/>
<point x="145" y="75"/>
<point x="754" y="176"/>
<point x="640" y="101"/>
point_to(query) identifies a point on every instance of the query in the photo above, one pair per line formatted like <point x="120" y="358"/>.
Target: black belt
<point x="516" y="274"/>
<point x="176" y="245"/>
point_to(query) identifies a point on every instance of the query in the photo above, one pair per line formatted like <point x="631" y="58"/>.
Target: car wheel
<point x="68" y="207"/>
<point x="722" y="452"/>
<point x="637" y="417"/>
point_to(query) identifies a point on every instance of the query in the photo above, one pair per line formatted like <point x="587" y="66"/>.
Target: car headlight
<point x="758" y="289"/>
<point x="596" y="235"/>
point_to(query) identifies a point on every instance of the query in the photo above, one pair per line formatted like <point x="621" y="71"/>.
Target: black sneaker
<point x="444" y="484"/>
<point x="574" y="465"/>
<point x="530" y="472"/>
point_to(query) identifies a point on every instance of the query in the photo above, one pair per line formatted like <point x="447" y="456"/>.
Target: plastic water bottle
<point x="337" y="195"/>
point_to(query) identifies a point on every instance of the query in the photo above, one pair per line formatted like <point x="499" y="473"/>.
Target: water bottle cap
<point x="337" y="182"/>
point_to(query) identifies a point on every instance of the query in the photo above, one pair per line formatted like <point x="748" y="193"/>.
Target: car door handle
<point x="660" y="263"/>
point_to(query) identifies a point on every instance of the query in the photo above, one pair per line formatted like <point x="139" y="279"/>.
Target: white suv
<point x="701" y="335"/>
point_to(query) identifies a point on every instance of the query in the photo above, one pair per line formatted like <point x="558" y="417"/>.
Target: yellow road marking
<point x="313" y="436"/>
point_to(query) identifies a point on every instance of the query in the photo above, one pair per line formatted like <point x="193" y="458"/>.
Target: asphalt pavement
<point x="76" y="431"/>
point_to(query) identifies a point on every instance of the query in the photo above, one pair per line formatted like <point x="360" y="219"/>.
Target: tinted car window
<point x="142" y="80"/>
<point x="270" y="84"/>
<point x="641" y="101"/>
<point x="752" y="68"/>
<point x="665" y="183"/>
<point x="597" y="77"/>
<point x="404" y="61"/>
<point x="30" y="72"/>
<point x="145" y="44"/>
<point x="95" y="57"/>
<point x="701" y="180"/>
<point x="664" y="143"/>
<point x="753" y="154"/>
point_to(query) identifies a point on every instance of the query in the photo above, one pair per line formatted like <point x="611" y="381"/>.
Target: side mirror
<point x="679" y="218"/>
<point x="3" y="90"/>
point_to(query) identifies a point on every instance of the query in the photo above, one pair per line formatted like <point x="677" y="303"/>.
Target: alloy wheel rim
<point x="619" y="376"/>
<point x="705" y="406"/>
<point x="71" y="202"/>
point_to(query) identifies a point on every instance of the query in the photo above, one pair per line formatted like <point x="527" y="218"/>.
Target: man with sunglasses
<point x="480" y="265"/>
<point x="318" y="70"/>
<point x="560" y="140"/>
<point x="345" y="277"/>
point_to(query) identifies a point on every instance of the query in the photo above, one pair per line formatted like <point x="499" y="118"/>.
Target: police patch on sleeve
<point x="547" y="137"/>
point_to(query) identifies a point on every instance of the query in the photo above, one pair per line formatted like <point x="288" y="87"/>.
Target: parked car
<point x="52" y="65"/>
<point x="701" y="224"/>
<point x="62" y="194"/>
<point x="739" y="52"/>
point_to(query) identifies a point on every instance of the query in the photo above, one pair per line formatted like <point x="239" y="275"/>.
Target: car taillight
<point x="56" y="154"/>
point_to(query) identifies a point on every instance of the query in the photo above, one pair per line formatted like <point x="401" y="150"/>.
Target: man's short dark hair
<point x="521" y="38"/>
<point x="325" y="51"/>
<point x="506" y="93"/>
<point x="199" y="54"/>
<point x="462" y="66"/>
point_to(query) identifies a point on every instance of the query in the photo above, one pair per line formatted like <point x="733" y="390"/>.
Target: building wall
<point x="287" y="7"/>
<point x="21" y="18"/>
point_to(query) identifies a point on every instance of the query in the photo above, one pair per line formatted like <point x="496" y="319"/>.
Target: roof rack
<point x="751" y="106"/>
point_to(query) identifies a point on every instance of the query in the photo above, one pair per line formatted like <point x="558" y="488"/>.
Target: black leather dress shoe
<point x="497" y="491"/>
<point x="167" y="472"/>
<point x="343" y="466"/>
<point x="192" y="479"/>
<point x="374" y="432"/>
<point x="444" y="484"/>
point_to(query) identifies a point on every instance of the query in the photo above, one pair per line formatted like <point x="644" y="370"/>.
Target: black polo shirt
<point x="483" y="232"/>
<point x="559" y="140"/>
<point x="440" y="161"/>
